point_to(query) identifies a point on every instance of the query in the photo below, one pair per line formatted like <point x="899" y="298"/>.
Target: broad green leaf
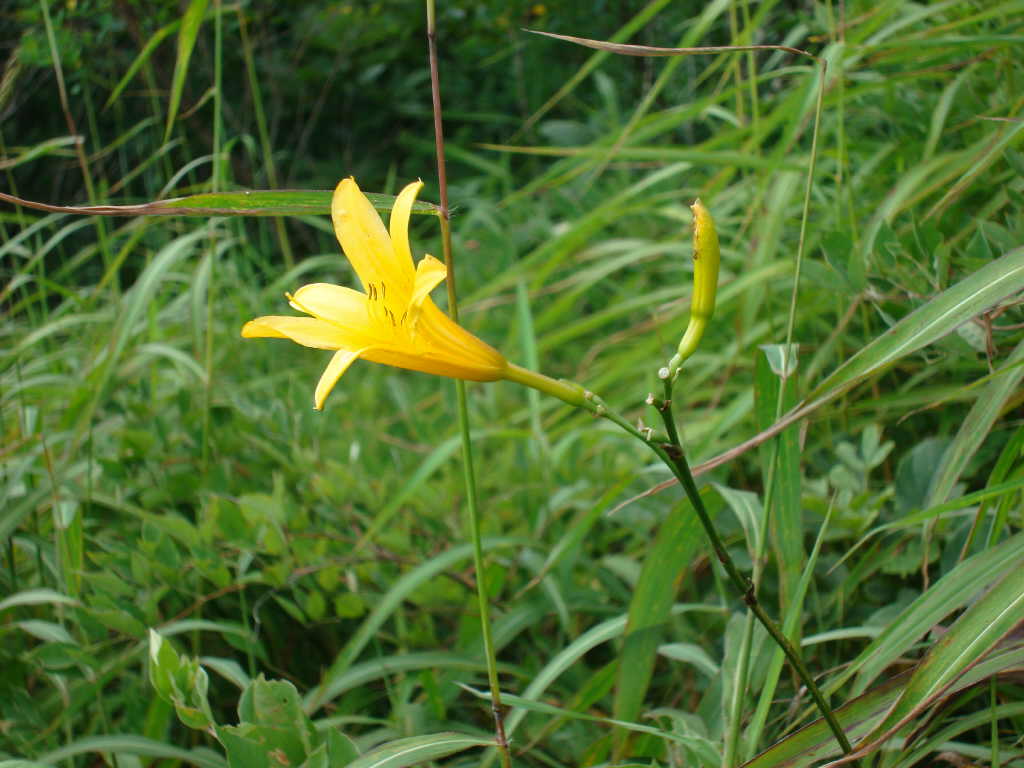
<point x="418" y="749"/>
<point x="47" y="631"/>
<point x="275" y="703"/>
<point x="181" y="681"/>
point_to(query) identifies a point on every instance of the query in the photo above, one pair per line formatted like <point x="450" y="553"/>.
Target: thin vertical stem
<point x="83" y="162"/>
<point x="216" y="182"/>
<point x="469" y="475"/>
<point x="261" y="125"/>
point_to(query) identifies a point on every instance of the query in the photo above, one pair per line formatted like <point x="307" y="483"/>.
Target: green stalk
<point x="469" y="475"/>
<point x="215" y="186"/>
<point x="674" y="457"/>
<point x="83" y="162"/>
<point x="261" y="126"/>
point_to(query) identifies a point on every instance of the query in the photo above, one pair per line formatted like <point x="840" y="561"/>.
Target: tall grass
<point x="157" y="472"/>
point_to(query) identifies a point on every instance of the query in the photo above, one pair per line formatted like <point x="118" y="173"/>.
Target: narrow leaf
<point x="418" y="749"/>
<point x="190" y="24"/>
<point x="253" y="202"/>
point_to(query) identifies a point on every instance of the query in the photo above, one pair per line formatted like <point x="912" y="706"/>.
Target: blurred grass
<point x="289" y="542"/>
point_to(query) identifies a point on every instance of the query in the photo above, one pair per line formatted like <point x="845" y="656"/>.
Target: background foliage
<point x="158" y="472"/>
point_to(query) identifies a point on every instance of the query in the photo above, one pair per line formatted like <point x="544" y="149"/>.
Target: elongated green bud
<point x="705" y="286"/>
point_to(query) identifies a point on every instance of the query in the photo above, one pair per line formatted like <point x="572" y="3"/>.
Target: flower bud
<point x="705" y="284"/>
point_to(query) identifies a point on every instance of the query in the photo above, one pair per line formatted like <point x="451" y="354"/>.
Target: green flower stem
<point x="671" y="453"/>
<point x="567" y="391"/>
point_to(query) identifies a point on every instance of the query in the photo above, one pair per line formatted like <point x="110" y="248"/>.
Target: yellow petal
<point x="429" y="273"/>
<point x="444" y="365"/>
<point x="445" y="339"/>
<point x="334" y="303"/>
<point x="399" y="224"/>
<point x="307" y="331"/>
<point x="366" y="243"/>
<point x="342" y="359"/>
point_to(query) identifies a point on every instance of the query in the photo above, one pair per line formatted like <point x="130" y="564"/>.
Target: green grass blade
<point x="977" y="425"/>
<point x="147" y="50"/>
<point x="133" y="745"/>
<point x="627" y="30"/>
<point x="388" y="603"/>
<point x="948" y="594"/>
<point x="814" y="742"/>
<point x="134" y="303"/>
<point x="418" y="749"/>
<point x="256" y="202"/>
<point x="190" y="24"/>
<point x="678" y="538"/>
<point x="986" y="157"/>
<point x="972" y="636"/>
<point x="925" y="325"/>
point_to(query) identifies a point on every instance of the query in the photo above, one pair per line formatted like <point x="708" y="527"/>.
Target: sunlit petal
<point x="340" y="362"/>
<point x="333" y="303"/>
<point x="399" y="224"/>
<point x="366" y="242"/>
<point x="307" y="331"/>
<point x="429" y="273"/>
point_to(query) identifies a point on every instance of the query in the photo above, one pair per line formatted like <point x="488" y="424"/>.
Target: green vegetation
<point x="160" y="473"/>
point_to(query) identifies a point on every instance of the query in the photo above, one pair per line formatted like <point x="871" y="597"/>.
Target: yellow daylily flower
<point x="394" y="320"/>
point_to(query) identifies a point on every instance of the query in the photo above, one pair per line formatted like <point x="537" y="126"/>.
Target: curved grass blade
<point x="977" y="425"/>
<point x="49" y="147"/>
<point x="402" y="588"/>
<point x="190" y="24"/>
<point x="624" y="33"/>
<point x="134" y="745"/>
<point x="651" y="50"/>
<point x="678" y="538"/>
<point x="948" y="594"/>
<point x="971" y="637"/>
<point x="418" y="749"/>
<point x="250" y="202"/>
<point x="147" y="50"/>
<point x="814" y="742"/>
<point x="926" y="325"/>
